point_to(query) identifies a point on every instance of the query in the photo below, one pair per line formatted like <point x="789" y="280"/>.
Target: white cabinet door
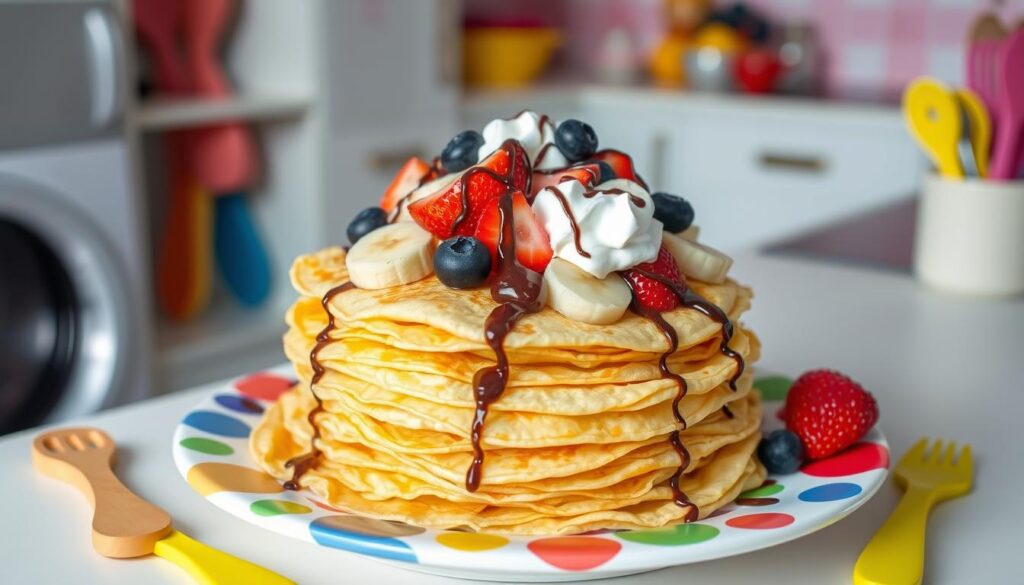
<point x="391" y="64"/>
<point x="754" y="175"/>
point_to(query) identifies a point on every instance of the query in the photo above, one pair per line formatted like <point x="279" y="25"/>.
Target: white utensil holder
<point x="970" y="236"/>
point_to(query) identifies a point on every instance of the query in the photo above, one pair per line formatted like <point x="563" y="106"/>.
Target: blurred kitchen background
<point x="162" y="161"/>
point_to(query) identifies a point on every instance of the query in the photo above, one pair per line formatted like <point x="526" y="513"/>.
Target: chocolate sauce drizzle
<point x="509" y="146"/>
<point x="688" y="299"/>
<point x="517" y="290"/>
<point x="692" y="300"/>
<point x="303" y="463"/>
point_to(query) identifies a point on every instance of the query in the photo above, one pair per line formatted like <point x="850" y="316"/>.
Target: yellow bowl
<point x="506" y="57"/>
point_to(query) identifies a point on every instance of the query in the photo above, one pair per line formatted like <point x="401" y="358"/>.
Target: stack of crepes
<point x="581" y="439"/>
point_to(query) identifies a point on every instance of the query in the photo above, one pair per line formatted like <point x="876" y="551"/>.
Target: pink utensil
<point x="984" y="43"/>
<point x="157" y="23"/>
<point x="223" y="156"/>
<point x="1009" y="140"/>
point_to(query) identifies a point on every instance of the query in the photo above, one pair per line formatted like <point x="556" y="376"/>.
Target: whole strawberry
<point x="649" y="292"/>
<point x="829" y="412"/>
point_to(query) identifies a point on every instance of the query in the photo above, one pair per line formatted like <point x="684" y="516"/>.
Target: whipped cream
<point x="536" y="133"/>
<point x="615" y="221"/>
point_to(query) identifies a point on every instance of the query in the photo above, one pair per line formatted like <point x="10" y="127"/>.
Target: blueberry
<point x="576" y="140"/>
<point x="462" y="262"/>
<point x="462" y="152"/>
<point x="365" y="222"/>
<point x="607" y="172"/>
<point x="673" y="211"/>
<point x="781" y="452"/>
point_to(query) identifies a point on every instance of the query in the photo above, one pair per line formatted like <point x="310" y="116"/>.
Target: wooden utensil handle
<point x="118" y="512"/>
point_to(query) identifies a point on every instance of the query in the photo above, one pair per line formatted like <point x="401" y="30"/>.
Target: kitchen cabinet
<point x="755" y="168"/>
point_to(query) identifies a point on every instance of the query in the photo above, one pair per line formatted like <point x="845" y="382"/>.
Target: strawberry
<point x="508" y="168"/>
<point x="829" y="412"/>
<point x="621" y="163"/>
<point x="647" y="291"/>
<point x="533" y="245"/>
<point x="588" y="174"/>
<point x="408" y="178"/>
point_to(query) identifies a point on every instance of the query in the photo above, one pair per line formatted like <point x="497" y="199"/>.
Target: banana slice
<point x="580" y="296"/>
<point x="691" y="233"/>
<point x="395" y="254"/>
<point x="697" y="260"/>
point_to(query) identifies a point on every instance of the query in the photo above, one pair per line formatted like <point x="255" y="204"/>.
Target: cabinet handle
<point x="103" y="52"/>
<point x="387" y="161"/>
<point x="790" y="162"/>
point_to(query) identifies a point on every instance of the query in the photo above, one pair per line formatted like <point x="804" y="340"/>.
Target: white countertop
<point x="938" y="365"/>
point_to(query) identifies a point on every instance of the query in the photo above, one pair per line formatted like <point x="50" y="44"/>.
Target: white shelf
<point x="223" y="340"/>
<point x="168" y="113"/>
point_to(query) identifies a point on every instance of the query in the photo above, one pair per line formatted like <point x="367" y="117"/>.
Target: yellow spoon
<point x="980" y="127"/>
<point x="933" y="117"/>
<point x="895" y="555"/>
<point x="124" y="525"/>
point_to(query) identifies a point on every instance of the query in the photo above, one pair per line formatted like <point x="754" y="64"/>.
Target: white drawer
<point x="755" y="176"/>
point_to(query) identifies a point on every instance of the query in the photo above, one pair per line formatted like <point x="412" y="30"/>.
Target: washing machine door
<point x="65" y="330"/>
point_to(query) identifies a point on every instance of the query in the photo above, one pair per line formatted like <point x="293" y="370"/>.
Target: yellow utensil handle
<point x="210" y="566"/>
<point x="895" y="554"/>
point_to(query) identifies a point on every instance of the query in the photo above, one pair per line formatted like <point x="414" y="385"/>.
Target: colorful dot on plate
<point x="773" y="387"/>
<point x="677" y="535"/>
<point x="575" y="553"/>
<point x="471" y="541"/>
<point x="208" y="446"/>
<point x="763" y="521"/>
<point x="830" y="492"/>
<point x="856" y="459"/>
<point x="216" y="423"/>
<point x="264" y="386"/>
<point x="238" y="404"/>
<point x="213" y="477"/>
<point x="277" y="508"/>
<point x="334" y="532"/>
<point x="768" y="489"/>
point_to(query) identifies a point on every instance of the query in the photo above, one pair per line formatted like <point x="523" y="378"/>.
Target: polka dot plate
<point x="211" y="452"/>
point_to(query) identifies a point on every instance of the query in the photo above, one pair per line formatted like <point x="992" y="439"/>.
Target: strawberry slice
<point x="588" y="174"/>
<point x="649" y="292"/>
<point x="507" y="169"/>
<point x="621" y="163"/>
<point x="533" y="245"/>
<point x="408" y="178"/>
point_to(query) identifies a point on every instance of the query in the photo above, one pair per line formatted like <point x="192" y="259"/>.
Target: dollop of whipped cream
<point x="535" y="132"/>
<point x="615" y="221"/>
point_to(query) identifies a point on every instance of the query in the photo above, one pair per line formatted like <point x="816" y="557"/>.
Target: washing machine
<point x="75" y="327"/>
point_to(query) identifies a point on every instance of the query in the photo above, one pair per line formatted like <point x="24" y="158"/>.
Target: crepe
<point x="583" y="437"/>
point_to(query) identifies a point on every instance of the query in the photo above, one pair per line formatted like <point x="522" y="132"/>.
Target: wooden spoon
<point x="124" y="525"/>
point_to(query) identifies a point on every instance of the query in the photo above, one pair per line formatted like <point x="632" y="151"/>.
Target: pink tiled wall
<point x="872" y="47"/>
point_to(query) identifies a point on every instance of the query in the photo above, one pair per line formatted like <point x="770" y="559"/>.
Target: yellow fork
<point x="895" y="555"/>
